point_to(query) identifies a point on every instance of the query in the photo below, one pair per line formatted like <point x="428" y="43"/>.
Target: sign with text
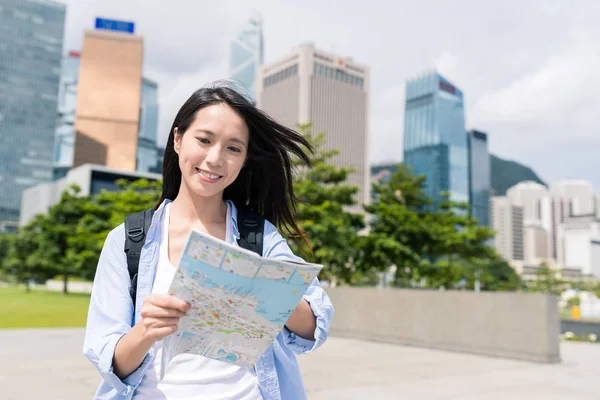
<point x="114" y="25"/>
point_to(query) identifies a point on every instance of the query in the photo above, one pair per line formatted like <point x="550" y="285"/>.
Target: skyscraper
<point x="507" y="221"/>
<point x="581" y="192"/>
<point x="31" y="39"/>
<point x="435" y="142"/>
<point x="332" y="92"/>
<point x="108" y="100"/>
<point x="147" y="151"/>
<point x="479" y="176"/>
<point x="67" y="104"/>
<point x="246" y="55"/>
<point x="533" y="198"/>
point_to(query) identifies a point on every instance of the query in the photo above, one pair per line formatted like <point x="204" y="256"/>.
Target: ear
<point x="176" y="140"/>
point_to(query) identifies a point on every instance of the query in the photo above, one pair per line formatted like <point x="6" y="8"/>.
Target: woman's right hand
<point x="160" y="315"/>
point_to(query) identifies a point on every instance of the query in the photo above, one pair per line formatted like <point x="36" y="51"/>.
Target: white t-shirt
<point x="190" y="376"/>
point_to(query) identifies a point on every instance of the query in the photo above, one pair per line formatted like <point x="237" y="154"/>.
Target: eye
<point x="235" y="149"/>
<point x="203" y="140"/>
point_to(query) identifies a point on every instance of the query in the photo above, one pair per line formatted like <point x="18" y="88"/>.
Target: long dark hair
<point x="265" y="182"/>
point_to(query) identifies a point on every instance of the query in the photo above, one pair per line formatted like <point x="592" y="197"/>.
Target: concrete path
<point x="48" y="364"/>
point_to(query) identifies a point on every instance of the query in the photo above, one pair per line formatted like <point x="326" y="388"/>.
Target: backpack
<point x="250" y="225"/>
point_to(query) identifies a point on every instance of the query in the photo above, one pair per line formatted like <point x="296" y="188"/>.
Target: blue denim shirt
<point x="111" y="315"/>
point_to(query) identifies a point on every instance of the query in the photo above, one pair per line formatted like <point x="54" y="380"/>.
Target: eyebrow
<point x="211" y="133"/>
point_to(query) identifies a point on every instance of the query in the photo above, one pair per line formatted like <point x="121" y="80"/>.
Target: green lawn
<point x="41" y="309"/>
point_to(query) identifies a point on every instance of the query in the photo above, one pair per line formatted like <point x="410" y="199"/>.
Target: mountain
<point x="506" y="174"/>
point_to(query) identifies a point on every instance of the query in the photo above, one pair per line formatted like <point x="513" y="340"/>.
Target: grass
<point x="41" y="309"/>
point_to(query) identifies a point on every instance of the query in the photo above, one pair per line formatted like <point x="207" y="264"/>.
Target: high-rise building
<point x="246" y="56"/>
<point x="560" y="210"/>
<point x="529" y="195"/>
<point x="479" y="176"/>
<point x="332" y="92"/>
<point x="435" y="143"/>
<point x="67" y="104"/>
<point x="578" y="244"/>
<point x="580" y="192"/>
<point x="507" y="221"/>
<point x="108" y="100"/>
<point x="31" y="40"/>
<point x="567" y="199"/>
<point x="147" y="152"/>
<point x="536" y="243"/>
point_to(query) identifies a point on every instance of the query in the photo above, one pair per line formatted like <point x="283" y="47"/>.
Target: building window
<point x="280" y="75"/>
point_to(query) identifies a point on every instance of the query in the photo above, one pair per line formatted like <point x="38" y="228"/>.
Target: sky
<point x="530" y="70"/>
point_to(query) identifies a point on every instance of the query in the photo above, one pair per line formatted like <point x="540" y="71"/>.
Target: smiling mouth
<point x="208" y="175"/>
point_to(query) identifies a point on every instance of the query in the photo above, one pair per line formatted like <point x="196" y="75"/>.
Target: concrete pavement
<point x="48" y="364"/>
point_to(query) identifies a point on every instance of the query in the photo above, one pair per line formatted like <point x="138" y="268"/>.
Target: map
<point x="240" y="301"/>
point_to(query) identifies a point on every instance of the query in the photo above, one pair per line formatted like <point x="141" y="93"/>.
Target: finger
<point x="160" y="322"/>
<point x="163" y="331"/>
<point x="168" y="301"/>
<point x="152" y="311"/>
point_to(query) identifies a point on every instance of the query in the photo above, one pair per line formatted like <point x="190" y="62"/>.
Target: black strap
<point x="136" y="228"/>
<point x="251" y="226"/>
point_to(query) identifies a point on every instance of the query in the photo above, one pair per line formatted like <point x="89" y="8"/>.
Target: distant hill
<point x="376" y="169"/>
<point x="506" y="174"/>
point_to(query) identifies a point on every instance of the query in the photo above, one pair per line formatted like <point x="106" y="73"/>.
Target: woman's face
<point x="213" y="150"/>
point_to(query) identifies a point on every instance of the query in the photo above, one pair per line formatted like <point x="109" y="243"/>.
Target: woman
<point x="222" y="154"/>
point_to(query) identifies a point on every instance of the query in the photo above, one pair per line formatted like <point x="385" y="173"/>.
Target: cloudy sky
<point x="530" y="70"/>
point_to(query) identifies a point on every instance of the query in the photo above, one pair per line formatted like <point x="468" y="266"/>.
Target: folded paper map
<point x="240" y="301"/>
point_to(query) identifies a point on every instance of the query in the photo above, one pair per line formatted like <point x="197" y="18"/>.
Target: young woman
<point x="222" y="154"/>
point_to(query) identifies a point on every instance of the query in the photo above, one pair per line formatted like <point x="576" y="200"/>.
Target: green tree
<point x="58" y="233"/>
<point x="5" y="243"/>
<point x="398" y="229"/>
<point x="24" y="262"/>
<point x="498" y="275"/>
<point x="441" y="246"/>
<point x="547" y="281"/>
<point x="102" y="213"/>
<point x="323" y="213"/>
<point x="573" y="301"/>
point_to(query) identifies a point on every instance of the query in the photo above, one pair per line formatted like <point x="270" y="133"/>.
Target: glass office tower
<point x="435" y="141"/>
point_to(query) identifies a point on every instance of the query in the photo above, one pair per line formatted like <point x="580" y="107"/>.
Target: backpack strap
<point x="251" y="226"/>
<point x="136" y="227"/>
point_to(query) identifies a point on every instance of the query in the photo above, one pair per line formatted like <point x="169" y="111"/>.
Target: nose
<point x="215" y="156"/>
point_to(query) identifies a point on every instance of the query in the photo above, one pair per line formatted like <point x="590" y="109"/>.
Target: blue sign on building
<point x="114" y="25"/>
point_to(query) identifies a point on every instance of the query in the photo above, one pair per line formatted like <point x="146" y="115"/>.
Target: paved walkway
<point x="48" y="364"/>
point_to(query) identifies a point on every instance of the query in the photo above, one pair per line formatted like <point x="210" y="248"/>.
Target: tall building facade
<point x="568" y="198"/>
<point x="578" y="240"/>
<point x="67" y="104"/>
<point x="507" y="221"/>
<point x="529" y="195"/>
<point x="435" y="141"/>
<point x="537" y="219"/>
<point x="31" y="40"/>
<point x="479" y="176"/>
<point x="580" y="192"/>
<point x="147" y="151"/>
<point x="311" y="85"/>
<point x="108" y="100"/>
<point x="246" y="55"/>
